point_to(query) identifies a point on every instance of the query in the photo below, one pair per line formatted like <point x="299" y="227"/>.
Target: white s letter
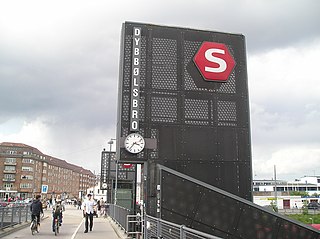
<point x="222" y="64"/>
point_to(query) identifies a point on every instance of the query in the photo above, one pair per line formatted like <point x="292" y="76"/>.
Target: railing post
<point x="2" y="216"/>
<point x="20" y="209"/>
<point x="12" y="216"/>
<point x="158" y="227"/>
<point x="182" y="232"/>
<point x="27" y="213"/>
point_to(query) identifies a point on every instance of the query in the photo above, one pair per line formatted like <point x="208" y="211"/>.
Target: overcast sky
<point x="59" y="63"/>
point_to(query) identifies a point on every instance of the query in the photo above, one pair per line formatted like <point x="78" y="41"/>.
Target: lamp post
<point x="110" y="142"/>
<point x="116" y="185"/>
<point x="275" y="187"/>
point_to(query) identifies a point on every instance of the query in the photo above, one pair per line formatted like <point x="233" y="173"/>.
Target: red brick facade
<point x="24" y="169"/>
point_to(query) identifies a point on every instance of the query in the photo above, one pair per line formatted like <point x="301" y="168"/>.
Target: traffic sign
<point x="44" y="189"/>
<point x="214" y="61"/>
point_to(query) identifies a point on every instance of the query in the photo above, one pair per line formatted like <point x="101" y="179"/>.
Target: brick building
<point x="25" y="169"/>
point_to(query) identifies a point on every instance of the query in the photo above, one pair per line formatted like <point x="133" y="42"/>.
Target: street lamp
<point x="275" y="186"/>
<point x="110" y="142"/>
<point x="116" y="184"/>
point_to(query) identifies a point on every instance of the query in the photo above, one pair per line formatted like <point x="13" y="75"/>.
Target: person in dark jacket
<point x="36" y="209"/>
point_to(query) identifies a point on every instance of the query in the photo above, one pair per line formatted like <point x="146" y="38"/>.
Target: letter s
<point x="222" y="64"/>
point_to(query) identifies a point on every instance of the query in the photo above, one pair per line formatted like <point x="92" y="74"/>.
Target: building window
<point x="8" y="185"/>
<point x="9" y="168"/>
<point x="29" y="169"/>
<point x="29" y="177"/>
<point x="28" y="161"/>
<point x="10" y="160"/>
<point x="25" y="185"/>
<point x="9" y="177"/>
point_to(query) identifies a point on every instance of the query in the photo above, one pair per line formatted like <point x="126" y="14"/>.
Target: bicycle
<point x="34" y="226"/>
<point x="56" y="226"/>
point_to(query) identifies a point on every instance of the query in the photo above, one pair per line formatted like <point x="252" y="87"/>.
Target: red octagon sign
<point x="214" y="61"/>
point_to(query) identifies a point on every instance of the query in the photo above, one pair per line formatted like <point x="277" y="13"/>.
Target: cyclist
<point x="36" y="209"/>
<point x="57" y="213"/>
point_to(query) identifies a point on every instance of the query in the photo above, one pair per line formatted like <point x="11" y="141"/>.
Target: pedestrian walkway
<point x="102" y="228"/>
<point x="72" y="227"/>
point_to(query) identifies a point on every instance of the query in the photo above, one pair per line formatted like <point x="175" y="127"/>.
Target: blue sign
<point x="44" y="189"/>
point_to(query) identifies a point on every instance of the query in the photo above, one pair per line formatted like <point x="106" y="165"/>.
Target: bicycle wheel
<point x="33" y="227"/>
<point x="56" y="227"/>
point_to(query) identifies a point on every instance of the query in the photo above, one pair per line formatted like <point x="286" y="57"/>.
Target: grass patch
<point x="306" y="218"/>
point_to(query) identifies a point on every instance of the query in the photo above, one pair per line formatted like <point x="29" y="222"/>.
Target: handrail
<point x="10" y="216"/>
<point x="162" y="228"/>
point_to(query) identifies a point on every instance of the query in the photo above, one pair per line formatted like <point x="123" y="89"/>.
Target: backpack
<point x="57" y="210"/>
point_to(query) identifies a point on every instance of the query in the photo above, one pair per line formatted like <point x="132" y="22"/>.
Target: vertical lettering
<point x="136" y="61"/>
<point x="137" y="40"/>
<point x="135" y="92"/>
<point x="134" y="125"/>
<point x="136" y="51"/>
<point x="135" y="71"/>
<point x="135" y="79"/>
<point x="134" y="114"/>
<point x="134" y="103"/>
<point x="135" y="82"/>
<point x="137" y="31"/>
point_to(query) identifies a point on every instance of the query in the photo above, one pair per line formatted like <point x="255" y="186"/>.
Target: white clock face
<point x="134" y="143"/>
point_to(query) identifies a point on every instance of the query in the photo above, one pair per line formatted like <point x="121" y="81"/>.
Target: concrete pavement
<point x="102" y="228"/>
<point x="72" y="228"/>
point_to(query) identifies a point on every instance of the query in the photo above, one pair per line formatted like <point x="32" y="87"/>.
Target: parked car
<point x="314" y="205"/>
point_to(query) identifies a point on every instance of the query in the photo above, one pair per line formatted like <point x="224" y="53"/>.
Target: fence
<point x="10" y="216"/>
<point x="151" y="227"/>
<point x="119" y="215"/>
<point x="158" y="228"/>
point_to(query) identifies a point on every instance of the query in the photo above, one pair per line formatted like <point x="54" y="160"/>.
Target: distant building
<point x="25" y="171"/>
<point x="264" y="192"/>
<point x="309" y="184"/>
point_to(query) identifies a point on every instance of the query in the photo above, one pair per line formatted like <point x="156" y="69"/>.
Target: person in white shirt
<point x="88" y="211"/>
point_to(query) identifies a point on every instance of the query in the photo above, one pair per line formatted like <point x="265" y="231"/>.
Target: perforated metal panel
<point x="108" y="170"/>
<point x="197" y="124"/>
<point x="208" y="209"/>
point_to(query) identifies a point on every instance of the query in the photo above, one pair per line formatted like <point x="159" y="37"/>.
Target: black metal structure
<point x="217" y="212"/>
<point x="201" y="128"/>
<point x="108" y="173"/>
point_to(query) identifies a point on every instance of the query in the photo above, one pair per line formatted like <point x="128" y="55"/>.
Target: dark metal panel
<point x="187" y="201"/>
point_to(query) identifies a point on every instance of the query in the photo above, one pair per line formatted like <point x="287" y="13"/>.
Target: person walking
<point x="88" y="210"/>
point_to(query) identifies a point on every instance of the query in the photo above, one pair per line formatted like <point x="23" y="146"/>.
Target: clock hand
<point x="132" y="145"/>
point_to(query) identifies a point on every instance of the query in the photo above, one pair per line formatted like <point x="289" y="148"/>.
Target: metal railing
<point x="119" y="215"/>
<point x="10" y="216"/>
<point x="151" y="227"/>
<point x="134" y="226"/>
<point x="160" y="229"/>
